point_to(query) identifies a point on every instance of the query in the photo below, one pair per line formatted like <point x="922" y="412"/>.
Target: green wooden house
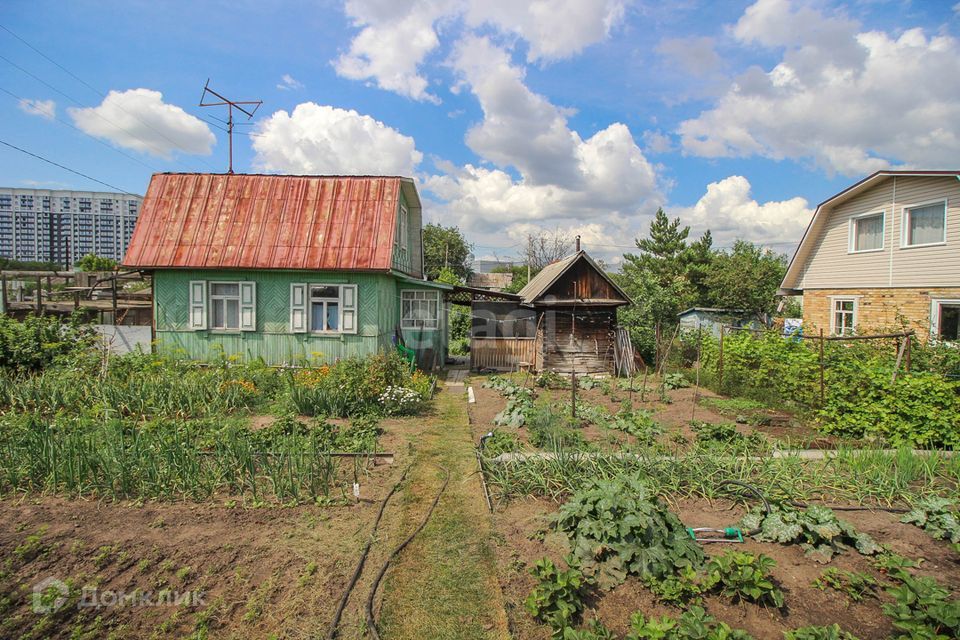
<point x="290" y="269"/>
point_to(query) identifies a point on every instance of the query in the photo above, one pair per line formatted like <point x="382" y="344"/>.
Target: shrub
<point x="617" y="527"/>
<point x="38" y="341"/>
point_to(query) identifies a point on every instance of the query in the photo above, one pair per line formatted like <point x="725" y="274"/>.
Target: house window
<point x="843" y="316"/>
<point x="402" y="236"/>
<point x="419" y="309"/>
<point x="225" y="305"/>
<point x="866" y="233"/>
<point x="945" y="319"/>
<point x="925" y="224"/>
<point x="325" y="308"/>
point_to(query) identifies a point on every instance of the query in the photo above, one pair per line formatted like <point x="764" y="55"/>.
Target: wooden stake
<point x="720" y="363"/>
<point x="822" y="387"/>
<point x="573" y="393"/>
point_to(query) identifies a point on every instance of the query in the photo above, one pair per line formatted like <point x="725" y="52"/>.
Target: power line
<point x="96" y="91"/>
<point x="57" y="164"/>
<point x="94" y="138"/>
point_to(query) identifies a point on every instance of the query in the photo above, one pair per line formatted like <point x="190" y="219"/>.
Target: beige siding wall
<point x="832" y="265"/>
<point x="882" y="308"/>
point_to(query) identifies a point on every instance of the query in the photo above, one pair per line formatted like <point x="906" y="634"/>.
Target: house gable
<point x="827" y="257"/>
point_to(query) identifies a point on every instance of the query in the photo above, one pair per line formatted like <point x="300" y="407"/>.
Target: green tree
<point x="459" y="319"/>
<point x="519" y="273"/>
<point x="92" y="262"/>
<point x="665" y="253"/>
<point x="747" y="277"/>
<point x="445" y="247"/>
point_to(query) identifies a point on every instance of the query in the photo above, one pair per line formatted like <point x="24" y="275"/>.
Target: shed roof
<point x="541" y="283"/>
<point x="222" y="221"/>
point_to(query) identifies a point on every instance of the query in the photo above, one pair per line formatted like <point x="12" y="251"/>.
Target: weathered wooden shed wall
<point x="578" y="339"/>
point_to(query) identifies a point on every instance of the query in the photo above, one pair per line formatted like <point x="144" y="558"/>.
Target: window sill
<point x="920" y="246"/>
<point x="865" y="251"/>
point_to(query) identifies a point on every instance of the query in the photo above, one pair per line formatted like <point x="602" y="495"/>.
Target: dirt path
<point x="444" y="584"/>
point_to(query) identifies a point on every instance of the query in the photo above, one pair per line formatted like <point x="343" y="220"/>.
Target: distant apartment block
<point x="63" y="226"/>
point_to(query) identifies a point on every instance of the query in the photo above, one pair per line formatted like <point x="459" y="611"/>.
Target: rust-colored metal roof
<point x="267" y="222"/>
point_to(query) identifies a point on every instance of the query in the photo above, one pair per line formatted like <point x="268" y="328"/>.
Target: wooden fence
<point x="502" y="354"/>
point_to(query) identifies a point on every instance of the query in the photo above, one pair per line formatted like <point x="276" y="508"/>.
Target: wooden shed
<point x="564" y="319"/>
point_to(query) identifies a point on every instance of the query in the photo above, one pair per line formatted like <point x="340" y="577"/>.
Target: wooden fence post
<point x="720" y="364"/>
<point x="822" y="387"/>
<point x="573" y="392"/>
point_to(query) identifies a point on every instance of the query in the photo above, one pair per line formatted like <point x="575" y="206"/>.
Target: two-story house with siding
<point x="883" y="253"/>
<point x="290" y="269"/>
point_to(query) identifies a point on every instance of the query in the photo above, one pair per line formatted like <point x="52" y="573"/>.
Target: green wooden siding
<point x="272" y="340"/>
<point x="378" y="316"/>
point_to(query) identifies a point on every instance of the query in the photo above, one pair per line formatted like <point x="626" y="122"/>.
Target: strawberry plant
<point x="815" y="528"/>
<point x="694" y="624"/>
<point x="856" y="585"/>
<point x="813" y="632"/>
<point x="594" y="631"/>
<point x="744" y="576"/>
<point x="937" y="516"/>
<point x="557" y="600"/>
<point x="923" y="609"/>
<point x="677" y="589"/>
<point x="617" y="527"/>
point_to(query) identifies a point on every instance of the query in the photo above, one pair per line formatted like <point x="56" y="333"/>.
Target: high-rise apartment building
<point x="63" y="226"/>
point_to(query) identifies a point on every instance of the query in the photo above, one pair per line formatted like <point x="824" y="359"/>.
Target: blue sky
<point x="581" y="116"/>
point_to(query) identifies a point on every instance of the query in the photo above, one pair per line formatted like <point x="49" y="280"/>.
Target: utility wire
<point x="96" y="91"/>
<point x="94" y="138"/>
<point x="57" y="164"/>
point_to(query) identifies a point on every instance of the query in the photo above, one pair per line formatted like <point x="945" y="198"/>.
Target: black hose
<point x="332" y="631"/>
<point x="371" y="621"/>
<point x="755" y="491"/>
<point x="842" y="507"/>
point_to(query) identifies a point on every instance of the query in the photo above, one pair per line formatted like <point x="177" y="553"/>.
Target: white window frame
<point x="411" y="324"/>
<point x="905" y="224"/>
<point x="935" y="305"/>
<point x="346" y="308"/>
<point x="212" y="298"/>
<point x="402" y="237"/>
<point x="852" y="232"/>
<point x="833" y="313"/>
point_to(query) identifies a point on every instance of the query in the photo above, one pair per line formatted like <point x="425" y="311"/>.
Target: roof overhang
<point x="791" y="280"/>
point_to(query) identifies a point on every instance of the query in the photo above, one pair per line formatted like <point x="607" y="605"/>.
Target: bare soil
<point x="525" y="535"/>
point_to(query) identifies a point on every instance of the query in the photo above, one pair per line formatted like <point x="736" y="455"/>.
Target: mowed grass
<point x="444" y="584"/>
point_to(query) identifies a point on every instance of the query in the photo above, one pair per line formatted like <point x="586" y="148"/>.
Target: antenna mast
<point x="230" y="104"/>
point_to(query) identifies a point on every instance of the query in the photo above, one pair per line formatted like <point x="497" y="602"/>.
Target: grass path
<point x="444" y="584"/>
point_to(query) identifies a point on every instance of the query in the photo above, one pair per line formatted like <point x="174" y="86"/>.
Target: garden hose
<point x="371" y="621"/>
<point x="755" y="491"/>
<point x="332" y="631"/>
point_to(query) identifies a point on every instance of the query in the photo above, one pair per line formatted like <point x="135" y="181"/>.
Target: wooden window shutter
<point x="348" y="307"/>
<point x="248" y="306"/>
<point x="197" y="320"/>
<point x="298" y="307"/>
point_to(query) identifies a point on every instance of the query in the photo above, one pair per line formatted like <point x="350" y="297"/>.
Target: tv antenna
<point x="231" y="105"/>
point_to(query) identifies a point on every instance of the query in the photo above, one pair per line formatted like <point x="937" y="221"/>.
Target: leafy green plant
<point x="519" y="402"/>
<point x="716" y="432"/>
<point x="813" y="632"/>
<point x="855" y="585"/>
<point x="744" y="576"/>
<point x="557" y="599"/>
<point x="890" y="563"/>
<point x="675" y="381"/>
<point x="693" y="624"/>
<point x="937" y="516"/>
<point x="594" y="631"/>
<point x="677" y="589"/>
<point x="501" y="442"/>
<point x="923" y="609"/>
<point x="552" y="427"/>
<point x="617" y="527"/>
<point x="815" y="528"/>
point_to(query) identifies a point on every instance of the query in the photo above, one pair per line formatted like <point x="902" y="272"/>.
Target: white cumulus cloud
<point x="46" y="109"/>
<point x="139" y="119"/>
<point x="731" y="213"/>
<point x="320" y="139"/>
<point x="555" y="29"/>
<point x="850" y="101"/>
<point x="396" y="36"/>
